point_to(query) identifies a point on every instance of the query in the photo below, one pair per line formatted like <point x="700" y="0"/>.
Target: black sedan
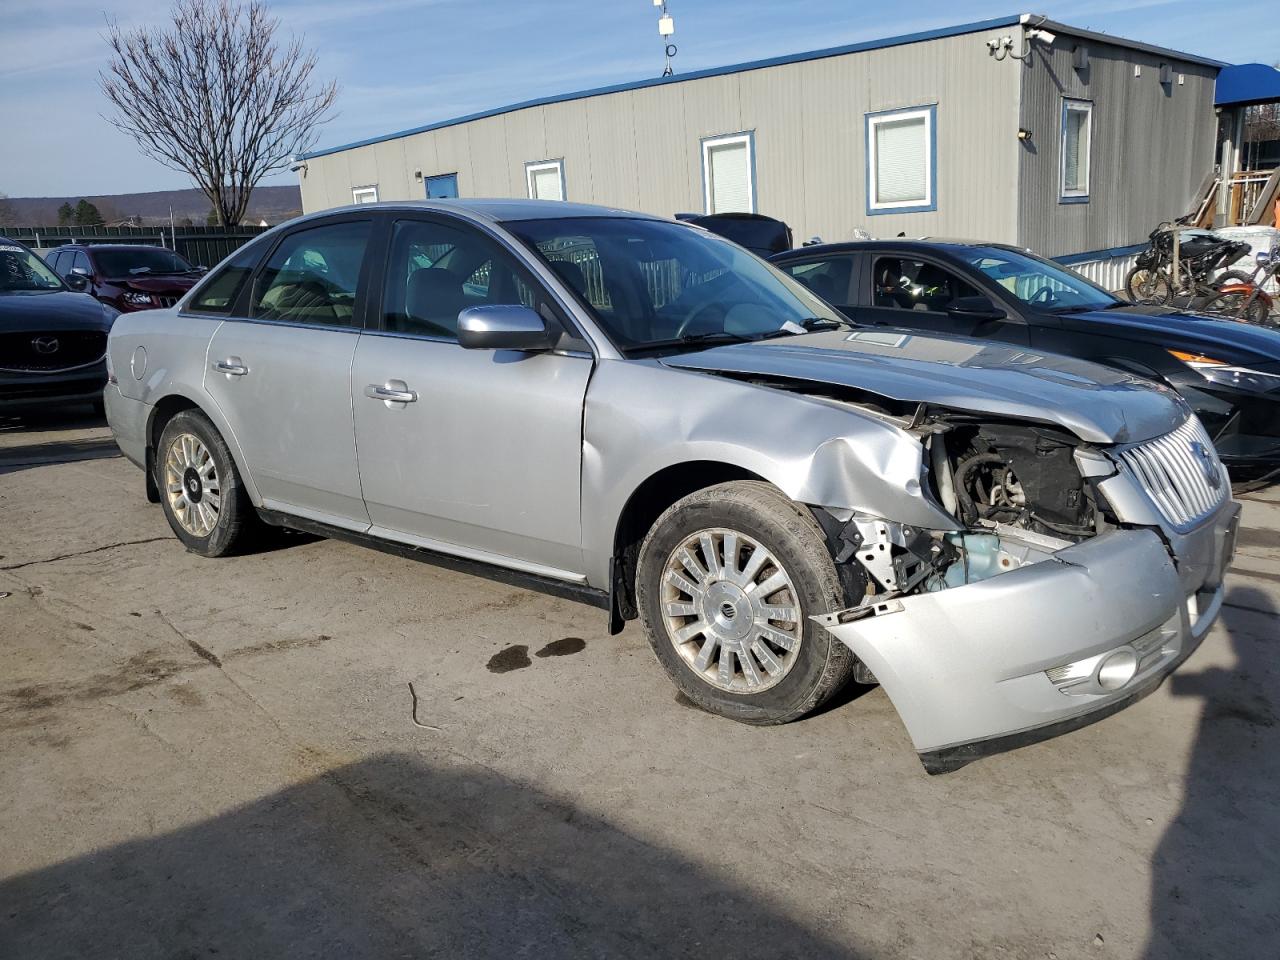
<point x="1229" y="372"/>
<point x="53" y="340"/>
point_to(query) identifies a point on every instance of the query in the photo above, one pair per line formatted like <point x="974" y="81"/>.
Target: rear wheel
<point x="201" y="492"/>
<point x="727" y="582"/>
<point x="1146" y="285"/>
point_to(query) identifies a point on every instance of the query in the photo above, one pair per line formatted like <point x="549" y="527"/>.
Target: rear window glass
<point x="218" y="294"/>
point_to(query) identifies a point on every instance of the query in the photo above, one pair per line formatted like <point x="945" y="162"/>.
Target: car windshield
<point x="20" y="269"/>
<point x="653" y="283"/>
<point x="1037" y="282"/>
<point x="121" y="263"/>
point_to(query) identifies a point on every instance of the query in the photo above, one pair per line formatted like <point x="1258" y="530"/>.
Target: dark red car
<point x="126" y="276"/>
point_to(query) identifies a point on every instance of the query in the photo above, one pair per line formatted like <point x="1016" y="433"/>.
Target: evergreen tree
<point x="66" y="215"/>
<point x="87" y="214"/>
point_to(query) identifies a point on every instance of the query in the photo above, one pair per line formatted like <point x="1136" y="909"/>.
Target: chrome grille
<point x="164" y="301"/>
<point x="1181" y="472"/>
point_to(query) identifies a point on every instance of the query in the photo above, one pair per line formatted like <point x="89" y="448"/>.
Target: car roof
<point x="496" y="209"/>
<point x="899" y="244"/>
<point x="114" y="246"/>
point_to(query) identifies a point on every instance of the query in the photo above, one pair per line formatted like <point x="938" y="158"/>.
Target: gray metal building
<point x="1018" y="129"/>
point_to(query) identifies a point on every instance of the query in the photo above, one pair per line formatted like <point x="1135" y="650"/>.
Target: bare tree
<point x="8" y="212"/>
<point x="214" y="94"/>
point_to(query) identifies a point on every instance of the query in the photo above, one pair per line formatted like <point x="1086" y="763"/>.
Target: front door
<point x="281" y="373"/>
<point x="474" y="452"/>
<point x="906" y="291"/>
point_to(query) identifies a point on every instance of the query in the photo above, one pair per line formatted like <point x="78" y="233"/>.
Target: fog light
<point x="1117" y="669"/>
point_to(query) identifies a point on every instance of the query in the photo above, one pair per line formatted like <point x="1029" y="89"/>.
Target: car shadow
<point x="36" y="438"/>
<point x="397" y="857"/>
<point x="1215" y="888"/>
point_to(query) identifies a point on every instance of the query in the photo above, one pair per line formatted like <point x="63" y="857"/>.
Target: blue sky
<point x="406" y="62"/>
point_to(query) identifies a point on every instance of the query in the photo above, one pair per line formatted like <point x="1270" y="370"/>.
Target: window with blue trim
<point x="901" y="161"/>
<point x="442" y="186"/>
<point x="1077" y="139"/>
<point x="728" y="173"/>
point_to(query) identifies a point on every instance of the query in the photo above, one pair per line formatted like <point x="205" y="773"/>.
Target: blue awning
<point x="1247" y="83"/>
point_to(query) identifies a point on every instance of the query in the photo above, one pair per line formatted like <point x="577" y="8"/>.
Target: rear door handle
<point x="232" y="367"/>
<point x="393" y="391"/>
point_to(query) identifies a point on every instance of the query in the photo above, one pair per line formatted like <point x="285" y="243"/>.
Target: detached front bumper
<point x="972" y="669"/>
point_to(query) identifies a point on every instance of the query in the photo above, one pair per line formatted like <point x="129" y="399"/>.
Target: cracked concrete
<point x="225" y="755"/>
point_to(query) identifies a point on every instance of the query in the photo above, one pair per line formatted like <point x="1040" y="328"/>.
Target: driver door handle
<point x="393" y="391"/>
<point x="232" y="367"/>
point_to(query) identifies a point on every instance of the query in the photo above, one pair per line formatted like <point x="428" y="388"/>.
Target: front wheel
<point x="1237" y="305"/>
<point x="728" y="579"/>
<point x="201" y="492"/>
<point x="1146" y="285"/>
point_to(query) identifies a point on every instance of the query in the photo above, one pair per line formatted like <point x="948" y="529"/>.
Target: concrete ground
<point x="223" y="758"/>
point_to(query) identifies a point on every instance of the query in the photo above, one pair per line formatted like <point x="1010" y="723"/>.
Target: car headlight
<point x="1229" y="375"/>
<point x="138" y="299"/>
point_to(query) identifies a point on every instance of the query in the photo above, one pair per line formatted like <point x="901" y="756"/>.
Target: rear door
<point x="483" y="456"/>
<point x="832" y="277"/>
<point x="279" y="369"/>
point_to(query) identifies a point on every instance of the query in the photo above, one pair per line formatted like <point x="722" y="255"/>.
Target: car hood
<point x="172" y="284"/>
<point x="52" y="309"/>
<point x="1096" y="403"/>
<point x="1230" y="340"/>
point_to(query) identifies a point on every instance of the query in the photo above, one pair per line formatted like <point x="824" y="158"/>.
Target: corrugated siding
<point x="641" y="149"/>
<point x="1152" y="146"/>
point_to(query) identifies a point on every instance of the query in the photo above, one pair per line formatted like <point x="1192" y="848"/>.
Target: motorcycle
<point x="1203" y="259"/>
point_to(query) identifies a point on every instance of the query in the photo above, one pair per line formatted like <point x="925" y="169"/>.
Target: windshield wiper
<point x="826" y="323"/>
<point x="691" y="340"/>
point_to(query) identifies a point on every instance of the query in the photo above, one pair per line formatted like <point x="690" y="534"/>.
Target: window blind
<point x="901" y="161"/>
<point x="546" y="183"/>
<point x="730" y="178"/>
<point x="1075" y="148"/>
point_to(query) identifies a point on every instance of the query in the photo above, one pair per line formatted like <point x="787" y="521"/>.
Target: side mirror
<point x="503" y="327"/>
<point x="201" y="268"/>
<point x="975" y="308"/>
<point x="77" y="281"/>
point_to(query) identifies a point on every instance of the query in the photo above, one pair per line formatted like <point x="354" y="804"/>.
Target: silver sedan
<point x="635" y="413"/>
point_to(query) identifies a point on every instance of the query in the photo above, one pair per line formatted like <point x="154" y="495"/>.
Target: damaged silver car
<point x="639" y="414"/>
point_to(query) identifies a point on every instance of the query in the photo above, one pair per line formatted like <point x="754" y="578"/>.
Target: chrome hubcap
<point x="731" y="611"/>
<point x="191" y="485"/>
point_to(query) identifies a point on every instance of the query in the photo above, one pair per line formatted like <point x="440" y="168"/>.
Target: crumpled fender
<point x="640" y="419"/>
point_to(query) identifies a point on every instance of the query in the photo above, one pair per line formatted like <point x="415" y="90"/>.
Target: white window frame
<point x="1075" y="196"/>
<point x="746" y="137"/>
<point x="538" y="166"/>
<point x="930" y="202"/>
<point x="368" y="190"/>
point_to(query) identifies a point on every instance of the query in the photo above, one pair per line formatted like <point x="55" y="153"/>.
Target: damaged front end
<point x="1077" y="577"/>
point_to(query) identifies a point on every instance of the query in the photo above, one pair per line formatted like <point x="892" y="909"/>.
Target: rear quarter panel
<point x="172" y="352"/>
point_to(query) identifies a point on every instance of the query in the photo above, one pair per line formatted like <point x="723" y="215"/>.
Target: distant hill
<point x="272" y="204"/>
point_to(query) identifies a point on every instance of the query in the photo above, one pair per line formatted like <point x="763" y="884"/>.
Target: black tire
<point x="821" y="664"/>
<point x="1231" y="276"/>
<point x="1235" y="305"/>
<point x="1145" y="285"/>
<point x="236" y="522"/>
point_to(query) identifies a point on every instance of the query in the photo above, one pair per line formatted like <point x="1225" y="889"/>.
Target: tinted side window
<point x="218" y="294"/>
<point x="312" y="276"/>
<point x="906" y="284"/>
<point x="81" y="262"/>
<point x="54" y="259"/>
<point x="437" y="270"/>
<point x="829" y="279"/>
